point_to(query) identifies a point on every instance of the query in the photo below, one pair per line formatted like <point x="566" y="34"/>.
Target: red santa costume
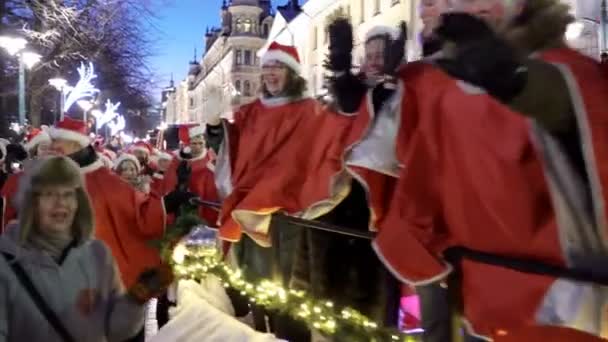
<point x="202" y="170"/>
<point x="279" y="154"/>
<point x="494" y="182"/>
<point x="33" y="139"/>
<point x="125" y="219"/>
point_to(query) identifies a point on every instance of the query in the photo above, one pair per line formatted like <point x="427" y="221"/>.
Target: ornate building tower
<point x="229" y="72"/>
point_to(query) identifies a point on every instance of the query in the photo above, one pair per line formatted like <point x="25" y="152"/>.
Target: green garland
<point x="197" y="262"/>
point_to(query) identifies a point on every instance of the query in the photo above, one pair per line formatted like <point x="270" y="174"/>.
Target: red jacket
<point x="201" y="183"/>
<point x="280" y="156"/>
<point x="476" y="175"/>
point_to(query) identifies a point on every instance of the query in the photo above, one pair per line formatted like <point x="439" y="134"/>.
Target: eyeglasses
<point x="56" y="196"/>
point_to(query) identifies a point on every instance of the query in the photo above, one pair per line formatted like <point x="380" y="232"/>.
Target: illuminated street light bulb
<point x="86" y="105"/>
<point x="574" y="30"/>
<point x="30" y="59"/>
<point x="12" y="45"/>
<point x="16" y="127"/>
<point x="163" y="126"/>
<point x="58" y="83"/>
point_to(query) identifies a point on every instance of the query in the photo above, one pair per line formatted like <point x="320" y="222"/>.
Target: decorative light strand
<point x="197" y="262"/>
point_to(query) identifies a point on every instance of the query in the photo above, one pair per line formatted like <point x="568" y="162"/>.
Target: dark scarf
<point x="84" y="157"/>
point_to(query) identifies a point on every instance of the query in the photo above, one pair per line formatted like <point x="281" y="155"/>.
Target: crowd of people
<point x="480" y="170"/>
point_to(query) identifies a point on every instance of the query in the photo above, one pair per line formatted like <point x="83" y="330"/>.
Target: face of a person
<point x="374" y="57"/>
<point x="274" y="77"/>
<point x="128" y="170"/>
<point x="64" y="147"/>
<point x="497" y="13"/>
<point x="43" y="149"/>
<point x="163" y="164"/>
<point x="430" y="12"/>
<point x="197" y="145"/>
<point x="57" y="207"/>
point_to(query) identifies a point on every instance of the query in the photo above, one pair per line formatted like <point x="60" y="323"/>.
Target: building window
<point x="376" y="7"/>
<point x="362" y="7"/>
<point x="247" y="25"/>
<point x="256" y="60"/>
<point x="239" y="57"/>
<point x="239" y="25"/>
<point x="237" y="86"/>
<point x="191" y="102"/>
<point x="247" y="89"/>
<point x="266" y="30"/>
<point x="314" y="38"/>
<point x="247" y="57"/>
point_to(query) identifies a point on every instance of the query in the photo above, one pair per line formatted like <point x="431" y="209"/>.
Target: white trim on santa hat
<point x="42" y="136"/>
<point x="283" y="57"/>
<point x="195" y="131"/>
<point x="61" y="133"/>
<point x="381" y="30"/>
<point x="124" y="157"/>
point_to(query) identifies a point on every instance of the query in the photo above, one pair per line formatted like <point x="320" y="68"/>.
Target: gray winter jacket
<point x="85" y="292"/>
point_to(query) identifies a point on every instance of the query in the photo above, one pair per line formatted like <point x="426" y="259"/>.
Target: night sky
<point x="182" y="26"/>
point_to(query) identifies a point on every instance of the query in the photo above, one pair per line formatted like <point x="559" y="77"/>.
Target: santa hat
<point x="3" y="144"/>
<point x="381" y="31"/>
<point x="141" y="146"/>
<point x="71" y="129"/>
<point x="124" y="157"/>
<point x="187" y="132"/>
<point x="35" y="137"/>
<point x="287" y="55"/>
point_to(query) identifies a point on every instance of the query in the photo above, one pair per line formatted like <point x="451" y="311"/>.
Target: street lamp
<point x="85" y="105"/>
<point x="12" y="45"/>
<point x="15" y="46"/>
<point x="60" y="84"/>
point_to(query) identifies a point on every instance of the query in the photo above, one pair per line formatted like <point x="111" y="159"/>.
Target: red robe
<point x="9" y="193"/>
<point x="201" y="183"/>
<point x="125" y="219"/>
<point x="477" y="175"/>
<point x="370" y="153"/>
<point x="279" y="156"/>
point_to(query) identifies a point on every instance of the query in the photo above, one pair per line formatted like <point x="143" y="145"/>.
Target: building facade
<point x="229" y="72"/>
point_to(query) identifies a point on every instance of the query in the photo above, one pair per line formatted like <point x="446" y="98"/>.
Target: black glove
<point x="481" y="57"/>
<point x="174" y="200"/>
<point x="151" y="283"/>
<point x="340" y="46"/>
<point x="394" y="51"/>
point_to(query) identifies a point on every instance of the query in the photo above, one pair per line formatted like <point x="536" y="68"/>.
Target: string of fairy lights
<point x="201" y="260"/>
<point x="198" y="256"/>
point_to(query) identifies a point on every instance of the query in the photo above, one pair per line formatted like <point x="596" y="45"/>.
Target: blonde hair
<point x="53" y="171"/>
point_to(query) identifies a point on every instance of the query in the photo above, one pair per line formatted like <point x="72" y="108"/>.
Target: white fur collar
<point x="279" y="101"/>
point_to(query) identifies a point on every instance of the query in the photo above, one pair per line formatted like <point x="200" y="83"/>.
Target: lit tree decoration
<point x="117" y="125"/>
<point x="107" y="116"/>
<point x="83" y="89"/>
